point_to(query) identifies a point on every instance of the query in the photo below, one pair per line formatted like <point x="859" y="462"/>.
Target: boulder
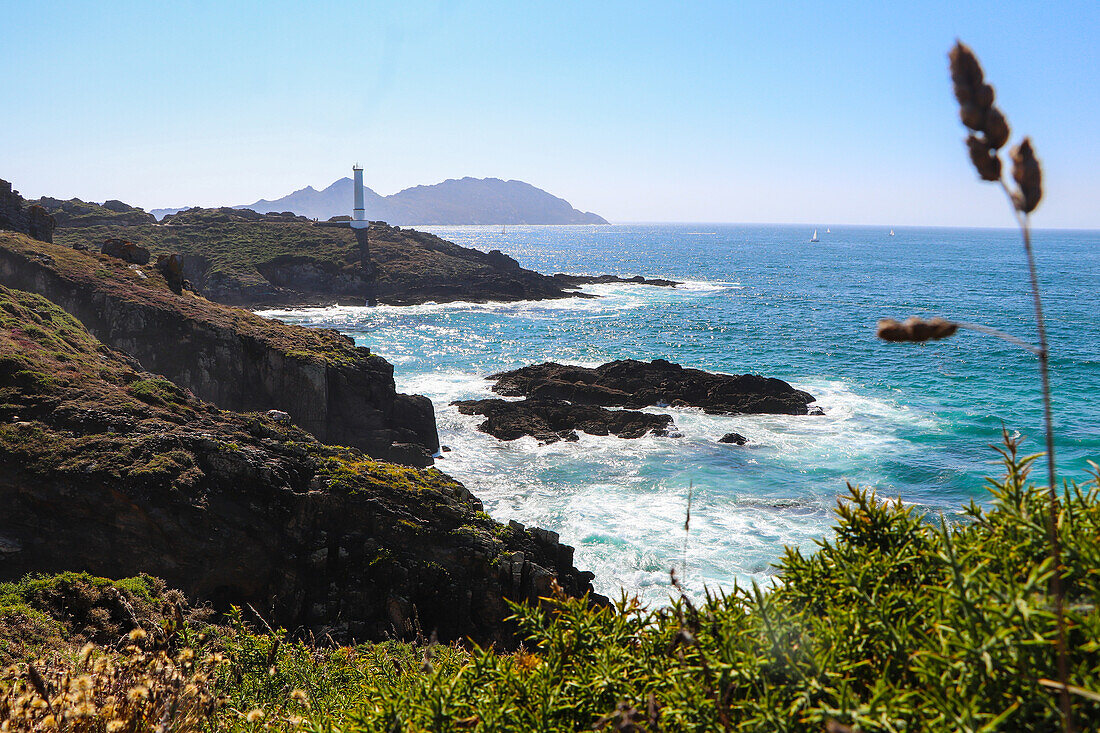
<point x="734" y="438"/>
<point x="125" y="251"/>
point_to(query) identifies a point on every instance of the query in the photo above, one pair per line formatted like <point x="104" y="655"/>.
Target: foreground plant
<point x="134" y="690"/>
<point x="989" y="132"/>
<point x="893" y="624"/>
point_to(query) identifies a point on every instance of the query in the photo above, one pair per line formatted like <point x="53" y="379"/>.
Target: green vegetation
<point x="42" y="614"/>
<point x="230" y="245"/>
<point x="899" y="622"/>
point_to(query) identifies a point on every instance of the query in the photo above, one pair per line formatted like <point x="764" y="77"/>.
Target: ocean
<point x="914" y="422"/>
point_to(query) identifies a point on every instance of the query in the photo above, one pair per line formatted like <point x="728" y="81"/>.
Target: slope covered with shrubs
<point x="898" y="622"/>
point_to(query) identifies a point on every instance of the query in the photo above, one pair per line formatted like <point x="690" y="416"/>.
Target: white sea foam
<point x="622" y="503"/>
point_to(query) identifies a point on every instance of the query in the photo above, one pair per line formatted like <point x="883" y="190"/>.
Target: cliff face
<point x="108" y="469"/>
<point x="340" y="393"/>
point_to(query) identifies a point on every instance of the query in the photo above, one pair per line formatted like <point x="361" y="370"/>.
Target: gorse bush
<point x="897" y="623"/>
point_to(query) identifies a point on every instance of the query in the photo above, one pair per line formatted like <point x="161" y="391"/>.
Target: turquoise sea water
<point x="911" y="421"/>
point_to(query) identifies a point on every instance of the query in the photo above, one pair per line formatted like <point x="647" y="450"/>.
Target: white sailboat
<point x="814" y="237"/>
<point x="828" y="230"/>
<point x="891" y="232"/>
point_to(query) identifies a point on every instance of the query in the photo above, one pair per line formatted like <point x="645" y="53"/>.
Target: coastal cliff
<point x="109" y="469"/>
<point x="340" y="393"/>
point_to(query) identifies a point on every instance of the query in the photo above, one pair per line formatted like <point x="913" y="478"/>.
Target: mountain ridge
<point x="465" y="200"/>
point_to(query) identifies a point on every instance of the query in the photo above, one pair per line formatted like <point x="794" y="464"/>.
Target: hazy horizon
<point x="655" y="112"/>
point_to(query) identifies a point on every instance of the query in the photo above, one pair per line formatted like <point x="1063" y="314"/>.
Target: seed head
<point x="984" y="158"/>
<point x="916" y="330"/>
<point x="255" y="715"/>
<point x="996" y="128"/>
<point x="1028" y="176"/>
<point x="966" y="73"/>
<point x="977" y="112"/>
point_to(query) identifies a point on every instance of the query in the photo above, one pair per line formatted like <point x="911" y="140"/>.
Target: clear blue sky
<point x="777" y="111"/>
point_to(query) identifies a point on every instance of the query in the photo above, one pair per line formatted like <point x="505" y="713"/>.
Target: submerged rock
<point x="550" y="420"/>
<point x="631" y="383"/>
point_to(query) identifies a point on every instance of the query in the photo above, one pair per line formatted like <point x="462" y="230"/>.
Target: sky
<point x="780" y="111"/>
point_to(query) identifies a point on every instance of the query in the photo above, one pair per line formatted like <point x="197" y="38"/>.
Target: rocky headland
<point x="635" y="384"/>
<point x="278" y="259"/>
<point x="110" y="469"/>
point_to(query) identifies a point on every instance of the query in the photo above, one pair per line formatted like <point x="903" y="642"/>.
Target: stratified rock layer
<point x="631" y="383"/>
<point x="239" y="361"/>
<point x="108" y="469"/>
<point x="550" y="420"/>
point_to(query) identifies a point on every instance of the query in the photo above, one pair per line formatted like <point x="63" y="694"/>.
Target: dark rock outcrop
<point x="631" y="383"/>
<point x="108" y="469"/>
<point x="550" y="420"/>
<point x="77" y="213"/>
<point x="575" y="281"/>
<point x="340" y="393"/>
<point x="16" y="216"/>
<point x="734" y="438"/>
<point x="125" y="251"/>
<point x="171" y="268"/>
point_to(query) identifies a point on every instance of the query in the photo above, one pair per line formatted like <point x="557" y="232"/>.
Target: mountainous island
<point x="454" y="201"/>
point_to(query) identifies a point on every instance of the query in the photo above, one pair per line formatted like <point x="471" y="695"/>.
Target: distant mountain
<point x="454" y="201"/>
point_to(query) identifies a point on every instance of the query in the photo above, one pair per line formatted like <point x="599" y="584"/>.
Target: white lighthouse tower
<point x="359" y="214"/>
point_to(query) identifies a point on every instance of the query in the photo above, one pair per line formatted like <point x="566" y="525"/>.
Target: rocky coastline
<point x="108" y="469"/>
